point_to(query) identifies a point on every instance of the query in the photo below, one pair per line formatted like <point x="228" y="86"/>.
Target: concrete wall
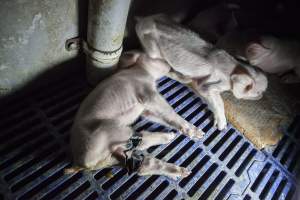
<point x="32" y="38"/>
<point x="33" y="35"/>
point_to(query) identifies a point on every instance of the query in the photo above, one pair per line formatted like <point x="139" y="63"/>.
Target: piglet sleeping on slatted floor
<point x="101" y="129"/>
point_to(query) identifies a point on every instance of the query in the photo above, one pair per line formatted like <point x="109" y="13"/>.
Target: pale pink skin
<point x="275" y="56"/>
<point x="102" y="129"/>
<point x="272" y="55"/>
<point x="194" y="60"/>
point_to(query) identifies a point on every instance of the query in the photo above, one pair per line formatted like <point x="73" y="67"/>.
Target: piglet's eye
<point x="248" y="87"/>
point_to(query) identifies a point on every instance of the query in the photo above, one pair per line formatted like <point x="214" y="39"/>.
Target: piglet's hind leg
<point x="155" y="138"/>
<point x="153" y="166"/>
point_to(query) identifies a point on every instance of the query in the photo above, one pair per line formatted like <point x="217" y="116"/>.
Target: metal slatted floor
<point x="34" y="144"/>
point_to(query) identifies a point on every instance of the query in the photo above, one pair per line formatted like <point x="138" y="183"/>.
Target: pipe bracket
<point x="73" y="44"/>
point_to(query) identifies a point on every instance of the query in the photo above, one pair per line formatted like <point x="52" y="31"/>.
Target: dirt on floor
<point x="262" y="121"/>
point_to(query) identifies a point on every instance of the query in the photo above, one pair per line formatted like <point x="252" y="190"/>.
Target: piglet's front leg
<point x="211" y="94"/>
<point x="216" y="104"/>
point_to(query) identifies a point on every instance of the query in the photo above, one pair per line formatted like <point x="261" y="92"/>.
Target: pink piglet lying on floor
<point x="209" y="70"/>
<point x="102" y="127"/>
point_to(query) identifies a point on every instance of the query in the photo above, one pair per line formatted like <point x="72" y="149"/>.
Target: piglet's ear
<point x="254" y="50"/>
<point x="241" y="85"/>
<point x="129" y="58"/>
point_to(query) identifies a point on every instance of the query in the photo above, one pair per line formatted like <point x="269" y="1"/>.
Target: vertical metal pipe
<point x="106" y="26"/>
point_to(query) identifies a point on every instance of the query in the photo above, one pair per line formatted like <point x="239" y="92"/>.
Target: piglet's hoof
<point x="220" y="123"/>
<point x="72" y="170"/>
<point x="185" y="172"/>
<point x="180" y="174"/>
<point x="197" y="134"/>
<point x="193" y="132"/>
<point x="170" y="136"/>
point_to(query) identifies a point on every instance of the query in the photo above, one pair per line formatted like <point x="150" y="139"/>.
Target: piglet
<point x="271" y="54"/>
<point x="276" y="56"/>
<point x="102" y="126"/>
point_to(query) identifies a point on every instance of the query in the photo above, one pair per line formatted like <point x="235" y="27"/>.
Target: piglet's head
<point x="248" y="83"/>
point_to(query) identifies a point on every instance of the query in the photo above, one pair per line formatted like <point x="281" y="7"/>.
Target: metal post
<point x="106" y="26"/>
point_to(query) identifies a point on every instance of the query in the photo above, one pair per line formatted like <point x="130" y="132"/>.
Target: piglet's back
<point x="109" y="99"/>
